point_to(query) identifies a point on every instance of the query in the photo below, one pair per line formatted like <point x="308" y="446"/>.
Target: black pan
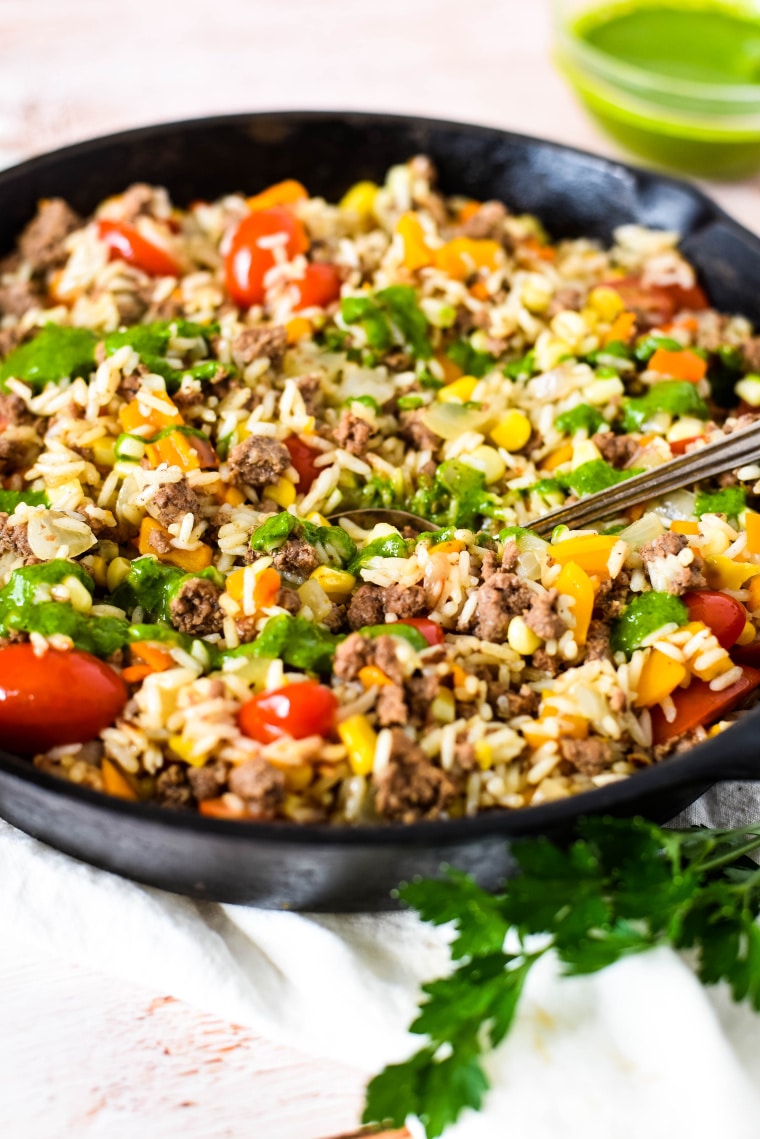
<point x="315" y="867"/>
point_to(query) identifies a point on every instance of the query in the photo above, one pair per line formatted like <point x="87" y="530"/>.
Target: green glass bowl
<point x="708" y="129"/>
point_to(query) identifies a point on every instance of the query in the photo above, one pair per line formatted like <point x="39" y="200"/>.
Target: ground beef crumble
<point x="14" y="540"/>
<point x="617" y="450"/>
<point x="405" y="601"/>
<point x="664" y="566"/>
<point x="410" y="787"/>
<point x="195" y="608"/>
<point x="504" y="596"/>
<point x="261" y="786"/>
<point x="41" y="243"/>
<point x="353" y="433"/>
<point x="258" y="461"/>
<point x="295" y="559"/>
<point x="210" y="781"/>
<point x="172" y="787"/>
<point x="367" y="606"/>
<point x="590" y="757"/>
<point x="255" y="343"/>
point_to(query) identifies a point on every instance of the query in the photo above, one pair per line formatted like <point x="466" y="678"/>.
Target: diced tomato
<point x="59" y="698"/>
<point x="699" y="705"/>
<point x="721" y="613"/>
<point x="247" y="263"/>
<point x="657" y="304"/>
<point x="320" y="285"/>
<point x="681" y="446"/>
<point x="126" y="243"/>
<point x="297" y="710"/>
<point x="432" y="632"/>
<point x="302" y="457"/>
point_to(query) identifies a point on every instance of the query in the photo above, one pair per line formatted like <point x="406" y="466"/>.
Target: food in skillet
<point x="187" y="395"/>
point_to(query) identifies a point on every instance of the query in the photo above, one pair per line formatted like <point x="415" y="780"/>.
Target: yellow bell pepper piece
<point x="132" y="417"/>
<point x="460" y="391"/>
<point x="360" y="741"/>
<point x="574" y="582"/>
<point x="191" y="560"/>
<point x="747" y="635"/>
<point x="725" y="573"/>
<point x="753" y="603"/>
<point x="103" y="451"/>
<point x="283" y="492"/>
<point x="371" y="676"/>
<point x="591" y="552"/>
<point x="463" y="256"/>
<point x="513" y="432"/>
<point x="176" y="450"/>
<point x="117" y="570"/>
<point x="285" y="193"/>
<point x="452" y="547"/>
<point x="298" y="329"/>
<point x="337" y="584"/>
<point x="417" y="253"/>
<point x="185" y="750"/>
<point x="752" y="526"/>
<point x="484" y="754"/>
<point x="659" y="677"/>
<point x="360" y="199"/>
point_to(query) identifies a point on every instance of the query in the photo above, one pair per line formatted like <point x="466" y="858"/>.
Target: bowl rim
<point x="696" y="767"/>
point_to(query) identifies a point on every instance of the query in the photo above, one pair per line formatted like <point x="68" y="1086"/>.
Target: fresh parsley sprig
<point x="624" y="886"/>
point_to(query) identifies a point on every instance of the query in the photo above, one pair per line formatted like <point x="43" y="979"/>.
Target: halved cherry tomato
<point x="297" y="710"/>
<point x="721" y="613"/>
<point x="657" y="304"/>
<point x="432" y="632"/>
<point x="320" y="285"/>
<point x="59" y="698"/>
<point x="302" y="457"/>
<point x="698" y="704"/>
<point x="247" y="263"/>
<point x="125" y="242"/>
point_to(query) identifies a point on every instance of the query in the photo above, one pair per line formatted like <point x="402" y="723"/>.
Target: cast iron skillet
<point x="315" y="867"/>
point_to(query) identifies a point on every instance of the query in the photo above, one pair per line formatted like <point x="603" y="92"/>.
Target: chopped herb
<point x="645" y="614"/>
<point x="731" y="501"/>
<point x="580" y="418"/>
<point x="514" y="532"/>
<point x="295" y="641"/>
<point x="614" y="355"/>
<point x="523" y="368"/>
<point x="544" y="487"/>
<point x="646" y="347"/>
<point x="470" y="360"/>
<point x="410" y="402"/>
<point x="365" y="401"/>
<point x="331" y="542"/>
<point x="153" y="585"/>
<point x="390" y="316"/>
<point x="456" y="496"/>
<point x="676" y="397"/>
<point x="595" y="475"/>
<point x="54" y="354"/>
<point x="397" y="629"/>
<point x="623" y="886"/>
<point x="388" y="546"/>
<point x="151" y="343"/>
<point x="10" y="499"/>
<point x="429" y="382"/>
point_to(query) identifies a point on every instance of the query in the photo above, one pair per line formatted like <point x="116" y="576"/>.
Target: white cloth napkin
<point x="639" y="1050"/>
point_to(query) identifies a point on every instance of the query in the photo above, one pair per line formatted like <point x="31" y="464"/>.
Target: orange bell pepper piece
<point x="157" y="659"/>
<point x="685" y="526"/>
<point x="752" y="525"/>
<point x="371" y="675"/>
<point x="591" y="552"/>
<point x="285" y="193"/>
<point x="562" y="455"/>
<point x="622" y="327"/>
<point x="451" y="371"/>
<point x="267" y="588"/>
<point x="115" y="782"/>
<point x="468" y="210"/>
<point x="221" y="809"/>
<point x="176" y="450"/>
<point x="132" y="416"/>
<point x="659" y="676"/>
<point x="685" y="365"/>
<point x="463" y="256"/>
<point x="574" y="582"/>
<point x="192" y="561"/>
<point x="136" y="672"/>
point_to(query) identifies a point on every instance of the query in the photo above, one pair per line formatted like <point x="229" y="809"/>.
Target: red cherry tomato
<point x="320" y="285"/>
<point x="747" y="654"/>
<point x="302" y="457"/>
<point x="721" y="613"/>
<point x="247" y="263"/>
<point x="657" y="304"/>
<point x="297" y="710"/>
<point x="432" y="632"/>
<point x="125" y="242"/>
<point x="58" y="698"/>
<point x="698" y="704"/>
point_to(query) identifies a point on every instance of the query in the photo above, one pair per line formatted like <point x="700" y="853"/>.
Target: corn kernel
<point x="443" y="708"/>
<point x="79" y="595"/>
<point x="460" y="391"/>
<point x="97" y="568"/>
<point x="298" y="778"/>
<point x="185" y="750"/>
<point x="360" y="199"/>
<point x="550" y="349"/>
<point x="360" y="741"/>
<point x="747" y="635"/>
<point x="484" y="755"/>
<point x="570" y="327"/>
<point x="283" y="492"/>
<point x="536" y="292"/>
<point x="116" y="572"/>
<point x="103" y="451"/>
<point x="522" y="639"/>
<point x="605" y="302"/>
<point x="317" y="518"/>
<point x="337" y="584"/>
<point x="513" y="432"/>
<point x="488" y="460"/>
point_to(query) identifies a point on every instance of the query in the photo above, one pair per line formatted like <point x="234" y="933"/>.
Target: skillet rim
<point x="698" y="766"/>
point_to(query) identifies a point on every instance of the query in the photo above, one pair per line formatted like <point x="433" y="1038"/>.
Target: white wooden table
<point x="82" y="1056"/>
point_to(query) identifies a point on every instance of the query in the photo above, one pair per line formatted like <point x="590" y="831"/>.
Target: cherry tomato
<point x="657" y="304"/>
<point x="59" y="698"/>
<point x="432" y="632"/>
<point x="125" y="242"/>
<point x="721" y="613"/>
<point x="247" y="263"/>
<point x="302" y="457"/>
<point x="698" y="704"/>
<point x="320" y="285"/>
<point x="297" y="710"/>
<point x="747" y="654"/>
